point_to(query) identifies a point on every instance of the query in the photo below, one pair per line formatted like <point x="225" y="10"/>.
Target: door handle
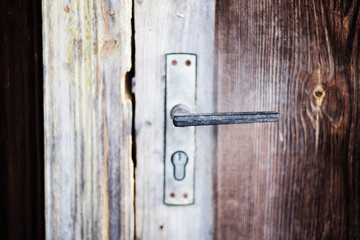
<point x="180" y="151"/>
<point x="181" y="117"/>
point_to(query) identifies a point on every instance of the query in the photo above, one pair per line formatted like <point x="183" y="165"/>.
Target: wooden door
<point x="104" y="81"/>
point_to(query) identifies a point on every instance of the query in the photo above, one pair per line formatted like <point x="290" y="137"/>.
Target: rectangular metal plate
<point x="179" y="186"/>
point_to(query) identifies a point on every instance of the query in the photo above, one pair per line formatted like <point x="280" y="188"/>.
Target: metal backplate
<point x="179" y="187"/>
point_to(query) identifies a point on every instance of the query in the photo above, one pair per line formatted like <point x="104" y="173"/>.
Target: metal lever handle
<point x="182" y="118"/>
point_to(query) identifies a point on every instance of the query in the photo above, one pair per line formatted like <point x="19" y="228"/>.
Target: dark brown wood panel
<point x="21" y="121"/>
<point x="298" y="179"/>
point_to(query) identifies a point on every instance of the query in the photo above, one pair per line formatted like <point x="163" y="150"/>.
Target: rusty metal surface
<point x="186" y="120"/>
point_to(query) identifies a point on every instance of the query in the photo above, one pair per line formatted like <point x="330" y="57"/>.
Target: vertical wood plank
<point x="88" y="165"/>
<point x="298" y="179"/>
<point x="169" y="27"/>
<point x="21" y="121"/>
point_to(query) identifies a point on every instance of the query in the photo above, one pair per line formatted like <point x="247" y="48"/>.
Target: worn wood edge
<point x="87" y="118"/>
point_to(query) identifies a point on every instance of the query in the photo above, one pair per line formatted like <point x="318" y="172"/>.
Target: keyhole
<point x="179" y="159"/>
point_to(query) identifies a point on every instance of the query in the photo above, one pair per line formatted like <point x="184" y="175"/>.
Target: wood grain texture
<point x="300" y="178"/>
<point x="88" y="165"/>
<point x="21" y="121"/>
<point x="171" y="27"/>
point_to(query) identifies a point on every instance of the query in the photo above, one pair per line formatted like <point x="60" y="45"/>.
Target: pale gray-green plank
<point x="88" y="166"/>
<point x="166" y="27"/>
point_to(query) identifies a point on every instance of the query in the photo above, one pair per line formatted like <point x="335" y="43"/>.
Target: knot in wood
<point x="319" y="93"/>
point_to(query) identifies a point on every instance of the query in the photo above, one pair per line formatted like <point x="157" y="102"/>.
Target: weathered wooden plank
<point x="167" y="27"/>
<point x="298" y="179"/>
<point x="21" y="121"/>
<point x="88" y="165"/>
